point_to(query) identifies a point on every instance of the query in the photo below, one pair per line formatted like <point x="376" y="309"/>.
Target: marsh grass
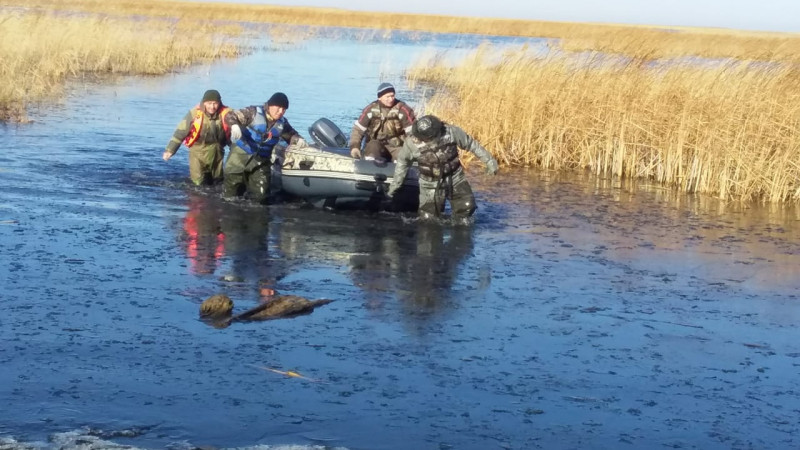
<point x="659" y="43"/>
<point x="730" y="129"/>
<point x="40" y="51"/>
<point x="705" y="110"/>
<point x="637" y="41"/>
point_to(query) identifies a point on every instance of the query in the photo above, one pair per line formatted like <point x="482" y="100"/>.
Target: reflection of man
<point x="246" y="229"/>
<point x="416" y="263"/>
<point x="217" y="233"/>
<point x="429" y="277"/>
<point x="205" y="242"/>
<point x="420" y="268"/>
<point x="378" y="258"/>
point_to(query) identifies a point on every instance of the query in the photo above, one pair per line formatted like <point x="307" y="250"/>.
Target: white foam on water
<point x="82" y="440"/>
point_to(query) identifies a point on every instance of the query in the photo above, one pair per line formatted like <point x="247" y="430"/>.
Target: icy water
<point x="574" y="313"/>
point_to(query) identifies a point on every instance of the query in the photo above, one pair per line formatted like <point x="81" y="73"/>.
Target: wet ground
<point x="574" y="312"/>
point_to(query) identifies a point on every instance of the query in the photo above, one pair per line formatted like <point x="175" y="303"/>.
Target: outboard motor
<point x="327" y="134"/>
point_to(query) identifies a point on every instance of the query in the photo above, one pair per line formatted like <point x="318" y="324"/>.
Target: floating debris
<point x="218" y="309"/>
<point x="231" y="278"/>
<point x="759" y="346"/>
<point x="289" y="374"/>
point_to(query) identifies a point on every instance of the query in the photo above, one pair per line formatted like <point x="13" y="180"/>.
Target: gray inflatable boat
<point x="325" y="174"/>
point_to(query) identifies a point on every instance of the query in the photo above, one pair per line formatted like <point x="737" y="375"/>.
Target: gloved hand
<point x="355" y="153"/>
<point x="166" y="155"/>
<point x="300" y="142"/>
<point x="236" y="133"/>
<point x="491" y="167"/>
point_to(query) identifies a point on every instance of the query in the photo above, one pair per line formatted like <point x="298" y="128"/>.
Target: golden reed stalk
<point x="726" y="128"/>
<point x="731" y="129"/>
<point x="39" y="51"/>
<point x="637" y="41"/>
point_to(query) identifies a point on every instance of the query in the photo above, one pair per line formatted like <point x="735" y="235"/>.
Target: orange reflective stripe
<point x="194" y="131"/>
<point x="225" y="127"/>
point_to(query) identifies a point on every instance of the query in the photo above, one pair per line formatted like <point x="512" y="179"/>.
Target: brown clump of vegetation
<point x="40" y="51"/>
<point x="727" y="128"/>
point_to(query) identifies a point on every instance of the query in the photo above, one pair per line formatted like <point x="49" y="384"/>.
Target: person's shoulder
<point x="457" y="132"/>
<point x="367" y="113"/>
<point x="453" y="127"/>
<point x="406" y="109"/>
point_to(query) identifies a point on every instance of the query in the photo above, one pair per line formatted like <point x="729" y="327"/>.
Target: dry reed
<point x="731" y="129"/>
<point x="727" y="128"/>
<point x="637" y="41"/>
<point x="40" y="51"/>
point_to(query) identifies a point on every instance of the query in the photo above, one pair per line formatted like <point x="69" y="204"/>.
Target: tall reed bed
<point x="40" y="51"/>
<point x="655" y="43"/>
<point x="730" y="129"/>
<point x="637" y="41"/>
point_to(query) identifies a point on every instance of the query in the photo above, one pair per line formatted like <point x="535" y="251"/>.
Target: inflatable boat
<point x="325" y="174"/>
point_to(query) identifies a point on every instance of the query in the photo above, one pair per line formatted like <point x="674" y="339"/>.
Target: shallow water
<point x="574" y="313"/>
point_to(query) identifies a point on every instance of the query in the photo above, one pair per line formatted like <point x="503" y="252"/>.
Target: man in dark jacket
<point x="434" y="145"/>
<point x="384" y="123"/>
<point x="255" y="130"/>
<point x="204" y="132"/>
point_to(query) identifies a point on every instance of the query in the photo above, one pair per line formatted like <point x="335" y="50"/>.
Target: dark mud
<point x="574" y="312"/>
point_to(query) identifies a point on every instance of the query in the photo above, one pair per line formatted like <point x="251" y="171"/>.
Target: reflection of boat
<point x="325" y="174"/>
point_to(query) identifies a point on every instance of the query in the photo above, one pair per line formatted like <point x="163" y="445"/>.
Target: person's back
<point x="384" y="124"/>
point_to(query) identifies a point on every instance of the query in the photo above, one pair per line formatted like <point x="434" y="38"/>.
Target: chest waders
<point x="438" y="161"/>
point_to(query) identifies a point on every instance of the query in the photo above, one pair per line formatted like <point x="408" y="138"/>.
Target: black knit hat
<point x="384" y="88"/>
<point x="279" y="99"/>
<point x="427" y="127"/>
<point x="212" y="95"/>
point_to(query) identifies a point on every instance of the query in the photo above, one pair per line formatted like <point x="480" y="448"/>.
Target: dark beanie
<point x="279" y="99"/>
<point x="384" y="88"/>
<point x="212" y="95"/>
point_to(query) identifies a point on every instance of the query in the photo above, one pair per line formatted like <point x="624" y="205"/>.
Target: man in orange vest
<point x="204" y="131"/>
